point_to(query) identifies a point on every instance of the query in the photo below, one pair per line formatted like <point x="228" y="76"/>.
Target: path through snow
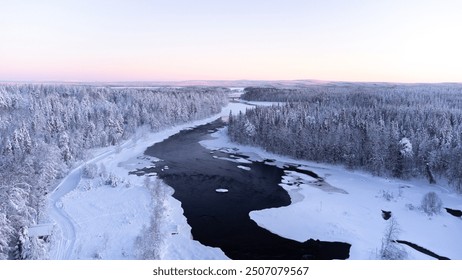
<point x="65" y="235"/>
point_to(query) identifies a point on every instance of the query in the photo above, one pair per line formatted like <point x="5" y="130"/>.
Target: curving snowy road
<point x="64" y="237"/>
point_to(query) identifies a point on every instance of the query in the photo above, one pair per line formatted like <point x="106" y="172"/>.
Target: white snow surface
<point x="347" y="207"/>
<point x="97" y="221"/>
<point x="244" y="167"/>
<point x="221" y="190"/>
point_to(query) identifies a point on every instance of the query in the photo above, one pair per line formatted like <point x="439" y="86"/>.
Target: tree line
<point x="401" y="130"/>
<point x="44" y="129"/>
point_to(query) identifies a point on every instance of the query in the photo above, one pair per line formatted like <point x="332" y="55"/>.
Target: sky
<point x="174" y="40"/>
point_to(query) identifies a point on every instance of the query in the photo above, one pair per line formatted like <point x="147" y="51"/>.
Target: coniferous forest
<point x="45" y="129"/>
<point x="402" y="131"/>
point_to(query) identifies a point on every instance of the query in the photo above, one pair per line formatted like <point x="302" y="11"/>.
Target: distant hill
<point x="228" y="83"/>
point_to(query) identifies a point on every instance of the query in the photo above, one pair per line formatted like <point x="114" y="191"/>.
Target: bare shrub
<point x="387" y="195"/>
<point x="431" y="203"/>
<point x="390" y="249"/>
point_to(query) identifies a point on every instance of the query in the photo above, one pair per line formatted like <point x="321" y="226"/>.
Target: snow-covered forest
<point x="45" y="129"/>
<point x="389" y="130"/>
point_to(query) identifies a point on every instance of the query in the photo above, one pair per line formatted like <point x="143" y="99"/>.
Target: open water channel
<point x="221" y="219"/>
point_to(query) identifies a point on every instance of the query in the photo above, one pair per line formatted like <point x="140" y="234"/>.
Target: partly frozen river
<point x="218" y="190"/>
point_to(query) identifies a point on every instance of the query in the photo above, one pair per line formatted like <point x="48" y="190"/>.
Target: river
<point x="221" y="219"/>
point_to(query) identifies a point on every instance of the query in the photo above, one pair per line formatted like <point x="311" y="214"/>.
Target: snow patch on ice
<point x="221" y="190"/>
<point x="236" y="160"/>
<point x="244" y="167"/>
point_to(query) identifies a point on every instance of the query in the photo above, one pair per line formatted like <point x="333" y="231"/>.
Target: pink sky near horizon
<point x="142" y="40"/>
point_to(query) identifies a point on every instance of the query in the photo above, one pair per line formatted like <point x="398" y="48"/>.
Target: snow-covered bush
<point x="97" y="256"/>
<point x="390" y="249"/>
<point x="128" y="184"/>
<point x="38" y="249"/>
<point x="102" y="171"/>
<point x="410" y="206"/>
<point x="387" y="195"/>
<point x="405" y="147"/>
<point x="86" y="185"/>
<point x="431" y="203"/>
<point x="113" y="181"/>
<point x="90" y="171"/>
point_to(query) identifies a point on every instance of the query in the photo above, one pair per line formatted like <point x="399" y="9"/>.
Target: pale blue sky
<point x="83" y="40"/>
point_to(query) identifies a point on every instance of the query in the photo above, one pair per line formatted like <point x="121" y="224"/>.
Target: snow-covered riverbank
<point x="348" y="206"/>
<point x="96" y="220"/>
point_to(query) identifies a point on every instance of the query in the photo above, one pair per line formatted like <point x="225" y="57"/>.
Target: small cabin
<point x="42" y="231"/>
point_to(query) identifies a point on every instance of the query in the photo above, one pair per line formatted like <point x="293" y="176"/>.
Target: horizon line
<point x="195" y="81"/>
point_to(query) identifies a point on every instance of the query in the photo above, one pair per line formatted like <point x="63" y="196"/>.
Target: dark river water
<point x="222" y="219"/>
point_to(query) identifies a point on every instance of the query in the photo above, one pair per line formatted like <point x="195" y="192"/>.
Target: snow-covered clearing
<point x="347" y="206"/>
<point x="97" y="220"/>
